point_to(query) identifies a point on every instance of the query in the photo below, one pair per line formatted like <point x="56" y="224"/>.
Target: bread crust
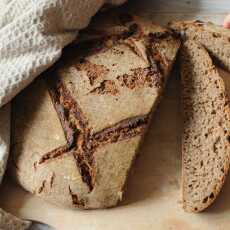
<point x="103" y="92"/>
<point x="216" y="39"/>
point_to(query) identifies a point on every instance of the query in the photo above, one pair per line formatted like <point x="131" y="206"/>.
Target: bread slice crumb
<point x="206" y="131"/>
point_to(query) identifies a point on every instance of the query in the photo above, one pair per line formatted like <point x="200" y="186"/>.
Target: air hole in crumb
<point x="213" y="112"/>
<point x="228" y="138"/>
<point x="190" y="185"/>
<point x="206" y="135"/>
<point x="201" y="164"/>
<point x="211" y="196"/>
<point x="222" y="170"/>
<point x="195" y="209"/>
<point x="226" y="103"/>
<point x="205" y="199"/>
<point x="216" y="35"/>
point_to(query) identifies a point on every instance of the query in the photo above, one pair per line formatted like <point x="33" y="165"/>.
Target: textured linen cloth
<point x="32" y="35"/>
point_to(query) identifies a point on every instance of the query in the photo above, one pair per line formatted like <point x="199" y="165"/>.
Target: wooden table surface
<point x="153" y="199"/>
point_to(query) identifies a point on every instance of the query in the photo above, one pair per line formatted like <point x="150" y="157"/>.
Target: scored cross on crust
<point x="80" y="137"/>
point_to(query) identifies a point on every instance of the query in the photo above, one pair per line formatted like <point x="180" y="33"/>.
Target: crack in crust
<point x="106" y="87"/>
<point x="40" y="190"/>
<point x="70" y="115"/>
<point x="53" y="154"/>
<point x="93" y="71"/>
<point x="155" y="59"/>
<point x="125" y="129"/>
<point x="75" y="199"/>
<point x="140" y="77"/>
<point x="52" y="180"/>
<point x="131" y="43"/>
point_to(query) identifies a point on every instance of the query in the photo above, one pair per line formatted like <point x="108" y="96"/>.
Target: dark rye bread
<point x="206" y="117"/>
<point x="216" y="39"/>
<point x="103" y="92"/>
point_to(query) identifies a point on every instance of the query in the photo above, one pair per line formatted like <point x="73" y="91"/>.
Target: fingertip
<point x="227" y="22"/>
<point x="226" y="25"/>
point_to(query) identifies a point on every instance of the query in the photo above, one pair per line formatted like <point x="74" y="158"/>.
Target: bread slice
<point x="206" y="132"/>
<point x="10" y="222"/>
<point x="214" y="38"/>
<point x="103" y="92"/>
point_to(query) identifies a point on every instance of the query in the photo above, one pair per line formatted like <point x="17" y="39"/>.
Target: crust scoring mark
<point x="127" y="128"/>
<point x="41" y="188"/>
<point x="81" y="142"/>
<point x="69" y="113"/>
<point x="53" y="154"/>
<point x="75" y="199"/>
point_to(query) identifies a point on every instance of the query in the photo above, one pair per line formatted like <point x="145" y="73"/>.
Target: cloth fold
<point x="32" y="36"/>
<point x="4" y="137"/>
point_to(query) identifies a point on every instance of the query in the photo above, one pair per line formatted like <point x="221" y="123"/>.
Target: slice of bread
<point x="104" y="91"/>
<point x="10" y="222"/>
<point x="206" y="132"/>
<point x="214" y="38"/>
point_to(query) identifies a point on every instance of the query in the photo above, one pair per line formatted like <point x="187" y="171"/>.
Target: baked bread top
<point x="103" y="91"/>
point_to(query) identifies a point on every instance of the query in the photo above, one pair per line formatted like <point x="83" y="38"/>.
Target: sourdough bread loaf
<point x="206" y="132"/>
<point x="214" y="38"/>
<point x="77" y="129"/>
